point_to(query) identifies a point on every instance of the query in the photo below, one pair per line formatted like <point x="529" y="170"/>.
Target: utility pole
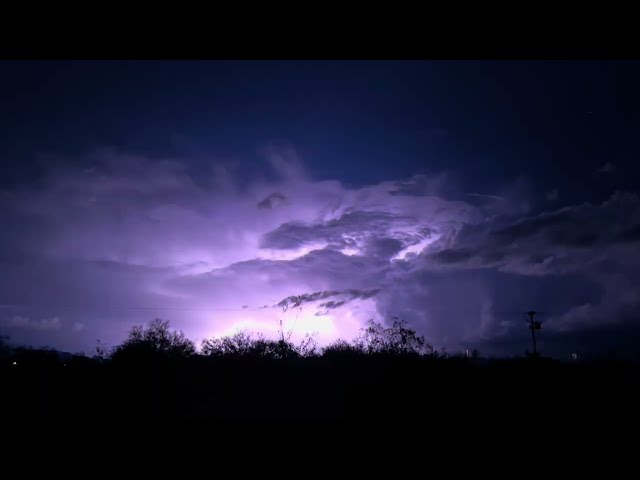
<point x="533" y="326"/>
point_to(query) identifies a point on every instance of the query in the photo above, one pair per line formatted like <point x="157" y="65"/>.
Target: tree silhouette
<point x="154" y="342"/>
<point x="239" y="344"/>
<point x="396" y="339"/>
<point x="242" y="344"/>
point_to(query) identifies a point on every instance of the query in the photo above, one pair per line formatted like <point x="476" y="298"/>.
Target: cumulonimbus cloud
<point x="132" y="238"/>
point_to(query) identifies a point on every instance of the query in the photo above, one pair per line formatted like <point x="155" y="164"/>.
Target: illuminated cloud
<point x="131" y="239"/>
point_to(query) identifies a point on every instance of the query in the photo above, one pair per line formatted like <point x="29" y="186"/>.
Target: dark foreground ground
<point x="401" y="391"/>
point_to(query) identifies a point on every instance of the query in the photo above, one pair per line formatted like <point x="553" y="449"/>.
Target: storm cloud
<point x="92" y="251"/>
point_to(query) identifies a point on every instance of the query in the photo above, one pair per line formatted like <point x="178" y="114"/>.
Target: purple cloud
<point x="131" y="239"/>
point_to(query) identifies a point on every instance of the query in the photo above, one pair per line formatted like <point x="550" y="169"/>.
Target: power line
<point x="131" y="307"/>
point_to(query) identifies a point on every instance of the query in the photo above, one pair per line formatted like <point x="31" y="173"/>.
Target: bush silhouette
<point x="237" y="345"/>
<point x="342" y="348"/>
<point x="243" y="345"/>
<point x="156" y="342"/>
<point x="398" y="339"/>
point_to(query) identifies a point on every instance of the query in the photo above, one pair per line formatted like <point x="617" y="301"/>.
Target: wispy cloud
<point x="346" y="296"/>
<point x="43" y="324"/>
<point x="78" y="327"/>
<point x="486" y="196"/>
<point x="606" y="168"/>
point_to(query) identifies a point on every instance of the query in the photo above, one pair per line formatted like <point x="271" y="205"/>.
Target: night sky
<point x="454" y="195"/>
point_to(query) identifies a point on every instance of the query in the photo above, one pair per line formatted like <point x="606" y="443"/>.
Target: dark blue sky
<point x="555" y="122"/>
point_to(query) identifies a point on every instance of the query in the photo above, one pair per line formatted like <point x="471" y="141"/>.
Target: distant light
<point x="574" y="356"/>
<point x="15" y="363"/>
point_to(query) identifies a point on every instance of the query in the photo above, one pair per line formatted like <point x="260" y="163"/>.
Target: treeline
<point x="157" y="342"/>
<point x="388" y="373"/>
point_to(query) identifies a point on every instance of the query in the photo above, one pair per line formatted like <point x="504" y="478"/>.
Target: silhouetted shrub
<point x="239" y="344"/>
<point x="342" y="348"/>
<point x="278" y="349"/>
<point x="308" y="346"/>
<point x="242" y="344"/>
<point x="100" y="352"/>
<point x="153" y="343"/>
<point x="397" y="339"/>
